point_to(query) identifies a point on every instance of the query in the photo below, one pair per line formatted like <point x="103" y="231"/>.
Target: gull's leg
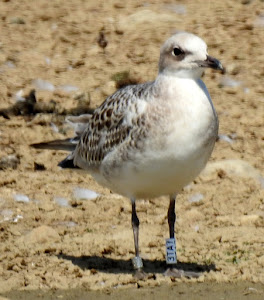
<point x="171" y="254"/>
<point x="136" y="261"/>
<point x="172" y="217"/>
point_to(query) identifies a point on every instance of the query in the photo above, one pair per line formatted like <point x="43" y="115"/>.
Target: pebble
<point x="196" y="228"/>
<point x="196" y="198"/>
<point x="6" y="214"/>
<point x="21" y="198"/>
<point x="18" y="217"/>
<point x="84" y="194"/>
<point x="19" y="96"/>
<point x="61" y="201"/>
<point x="66" y="223"/>
<point x="225" y="138"/>
<point x="227" y="81"/>
<point x="48" y="60"/>
<point x="43" y="85"/>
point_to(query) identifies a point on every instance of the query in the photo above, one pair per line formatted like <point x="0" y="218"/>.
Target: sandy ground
<point x="88" y="244"/>
<point x="181" y="290"/>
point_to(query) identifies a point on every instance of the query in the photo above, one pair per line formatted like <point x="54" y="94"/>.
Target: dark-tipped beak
<point x="211" y="62"/>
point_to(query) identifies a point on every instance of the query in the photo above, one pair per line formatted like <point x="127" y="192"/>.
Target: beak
<point x="211" y="62"/>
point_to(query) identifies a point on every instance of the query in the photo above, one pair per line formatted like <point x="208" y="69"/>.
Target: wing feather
<point x="111" y="124"/>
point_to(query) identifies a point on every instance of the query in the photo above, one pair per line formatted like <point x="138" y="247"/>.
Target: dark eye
<point x="177" y="52"/>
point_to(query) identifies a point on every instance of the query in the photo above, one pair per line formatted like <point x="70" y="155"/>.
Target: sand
<point x="49" y="244"/>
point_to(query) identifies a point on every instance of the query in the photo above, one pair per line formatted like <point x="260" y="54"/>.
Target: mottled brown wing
<point x="108" y="126"/>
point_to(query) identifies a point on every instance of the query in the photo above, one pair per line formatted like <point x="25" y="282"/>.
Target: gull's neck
<point x="166" y="80"/>
<point x="169" y="84"/>
<point x="194" y="74"/>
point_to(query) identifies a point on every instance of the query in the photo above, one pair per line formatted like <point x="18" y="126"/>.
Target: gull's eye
<point x="177" y="52"/>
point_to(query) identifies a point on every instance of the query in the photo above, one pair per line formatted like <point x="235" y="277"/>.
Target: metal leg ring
<point x="137" y="262"/>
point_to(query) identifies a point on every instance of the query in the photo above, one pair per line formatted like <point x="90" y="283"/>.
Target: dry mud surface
<point x="88" y="244"/>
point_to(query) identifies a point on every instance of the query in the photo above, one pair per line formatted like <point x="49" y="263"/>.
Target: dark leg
<point x="171" y="255"/>
<point x="172" y="216"/>
<point x="136" y="261"/>
<point x="135" y="226"/>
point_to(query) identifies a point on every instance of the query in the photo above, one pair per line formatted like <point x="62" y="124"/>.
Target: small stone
<point x="196" y="198"/>
<point x="196" y="228"/>
<point x="84" y="194"/>
<point x="227" y="81"/>
<point x="19" y="96"/>
<point x="61" y="201"/>
<point x="43" y="85"/>
<point x="6" y="214"/>
<point x="21" y="198"/>
<point x="225" y="138"/>
<point x="18" y="217"/>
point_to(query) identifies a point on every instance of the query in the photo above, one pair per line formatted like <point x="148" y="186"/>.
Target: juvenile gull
<point x="151" y="139"/>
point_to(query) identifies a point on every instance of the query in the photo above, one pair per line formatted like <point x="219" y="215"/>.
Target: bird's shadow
<point x="116" y="266"/>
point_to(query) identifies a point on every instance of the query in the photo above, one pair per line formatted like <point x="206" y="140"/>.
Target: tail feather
<point x="67" y="144"/>
<point x="67" y="163"/>
<point x="79" y="124"/>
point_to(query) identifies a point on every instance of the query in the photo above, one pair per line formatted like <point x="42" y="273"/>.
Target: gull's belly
<point x="163" y="174"/>
<point x="162" y="170"/>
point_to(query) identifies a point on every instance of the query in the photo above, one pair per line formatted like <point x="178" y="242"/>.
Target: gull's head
<point x="185" y="55"/>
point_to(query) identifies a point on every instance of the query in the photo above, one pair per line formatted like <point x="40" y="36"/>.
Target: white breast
<point x="183" y="129"/>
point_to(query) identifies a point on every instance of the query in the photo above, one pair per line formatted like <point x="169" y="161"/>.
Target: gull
<point x="151" y="139"/>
